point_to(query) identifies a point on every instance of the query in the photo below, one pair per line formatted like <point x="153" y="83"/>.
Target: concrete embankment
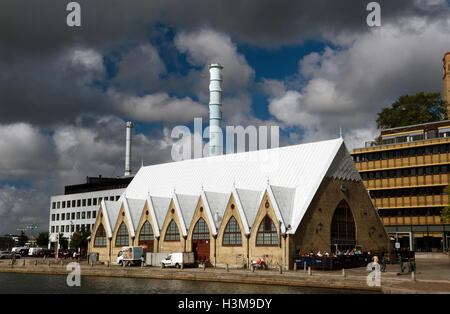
<point x="433" y="277"/>
<point x="267" y="277"/>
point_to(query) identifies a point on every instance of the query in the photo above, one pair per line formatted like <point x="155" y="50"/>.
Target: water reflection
<point x="49" y="284"/>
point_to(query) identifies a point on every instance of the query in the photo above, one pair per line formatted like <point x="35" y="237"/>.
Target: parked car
<point x="8" y="255"/>
<point x="5" y="254"/>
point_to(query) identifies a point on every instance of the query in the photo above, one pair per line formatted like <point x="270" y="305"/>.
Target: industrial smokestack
<point x="215" y="109"/>
<point x="129" y="126"/>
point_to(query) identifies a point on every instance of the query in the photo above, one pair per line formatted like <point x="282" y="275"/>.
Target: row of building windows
<point x="71" y="228"/>
<point x="78" y="215"/>
<point x="267" y="233"/>
<point x="410" y="212"/>
<point x="430" y="190"/>
<point x="404" y="152"/>
<point x="83" y="202"/>
<point x="406" y="172"/>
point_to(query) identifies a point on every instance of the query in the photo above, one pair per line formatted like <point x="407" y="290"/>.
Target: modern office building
<point x="406" y="176"/>
<point x="77" y="208"/>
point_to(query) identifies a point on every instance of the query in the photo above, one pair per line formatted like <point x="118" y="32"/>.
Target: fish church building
<point x="233" y="209"/>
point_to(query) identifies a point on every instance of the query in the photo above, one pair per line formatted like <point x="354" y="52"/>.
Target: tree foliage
<point x="42" y="239"/>
<point x="409" y="110"/>
<point x="79" y="239"/>
<point x="63" y="242"/>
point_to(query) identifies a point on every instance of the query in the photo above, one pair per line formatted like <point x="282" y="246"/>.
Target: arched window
<point x="343" y="229"/>
<point x="232" y="234"/>
<point x="122" y="238"/>
<point x="172" y="233"/>
<point x="100" y="237"/>
<point x="146" y="233"/>
<point x="201" y="231"/>
<point x="267" y="233"/>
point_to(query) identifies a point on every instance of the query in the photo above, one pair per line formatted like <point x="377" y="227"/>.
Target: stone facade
<point x="314" y="232"/>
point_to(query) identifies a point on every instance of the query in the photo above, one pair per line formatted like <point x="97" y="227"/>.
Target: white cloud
<point x="20" y="141"/>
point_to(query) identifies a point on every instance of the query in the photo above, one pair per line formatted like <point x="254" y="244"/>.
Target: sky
<point x="309" y="67"/>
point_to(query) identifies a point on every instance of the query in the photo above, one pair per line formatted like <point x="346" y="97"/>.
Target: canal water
<point x="50" y="284"/>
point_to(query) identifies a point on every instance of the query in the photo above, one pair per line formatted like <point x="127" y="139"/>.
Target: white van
<point x="178" y="259"/>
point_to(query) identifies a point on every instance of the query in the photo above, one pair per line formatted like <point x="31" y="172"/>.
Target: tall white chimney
<point x="129" y="126"/>
<point x="215" y="109"/>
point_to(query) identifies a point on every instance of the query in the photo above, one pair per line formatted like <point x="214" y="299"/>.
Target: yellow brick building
<point x="406" y="176"/>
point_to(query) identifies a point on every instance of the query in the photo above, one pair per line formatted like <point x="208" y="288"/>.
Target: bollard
<point x="123" y="264"/>
<point x="280" y="269"/>
<point x="295" y="266"/>
<point x="343" y="272"/>
<point x="142" y="264"/>
<point x="182" y="265"/>
<point x="92" y="263"/>
<point x="204" y="266"/>
<point x="304" y="266"/>
<point x="413" y="276"/>
<point x="62" y="263"/>
<point x="309" y="271"/>
<point x="162" y="266"/>
<point x="227" y="268"/>
<point x="253" y="269"/>
<point x="24" y="262"/>
<point x="48" y="263"/>
<point x="35" y="262"/>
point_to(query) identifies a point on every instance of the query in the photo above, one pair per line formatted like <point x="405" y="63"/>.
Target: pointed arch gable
<point x="267" y="210"/>
<point x="227" y="215"/>
<point x="121" y="218"/>
<point x="146" y="216"/>
<point x="171" y="215"/>
<point x="201" y="212"/>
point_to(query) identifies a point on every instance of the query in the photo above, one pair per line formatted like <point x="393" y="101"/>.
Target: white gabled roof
<point x="133" y="210"/>
<point x="299" y="167"/>
<point x="111" y="211"/>
<point x="215" y="203"/>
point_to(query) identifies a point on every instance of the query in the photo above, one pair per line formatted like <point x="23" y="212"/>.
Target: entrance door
<point x="201" y="241"/>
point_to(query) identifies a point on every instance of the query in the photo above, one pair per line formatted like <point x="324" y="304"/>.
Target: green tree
<point x="63" y="242"/>
<point x="79" y="239"/>
<point x="409" y="110"/>
<point x="42" y="239"/>
<point x="22" y="238"/>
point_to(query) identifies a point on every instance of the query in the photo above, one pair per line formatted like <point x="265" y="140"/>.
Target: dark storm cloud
<point x="39" y="26"/>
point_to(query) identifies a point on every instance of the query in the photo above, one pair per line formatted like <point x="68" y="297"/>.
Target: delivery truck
<point x="131" y="255"/>
<point x="177" y="259"/>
